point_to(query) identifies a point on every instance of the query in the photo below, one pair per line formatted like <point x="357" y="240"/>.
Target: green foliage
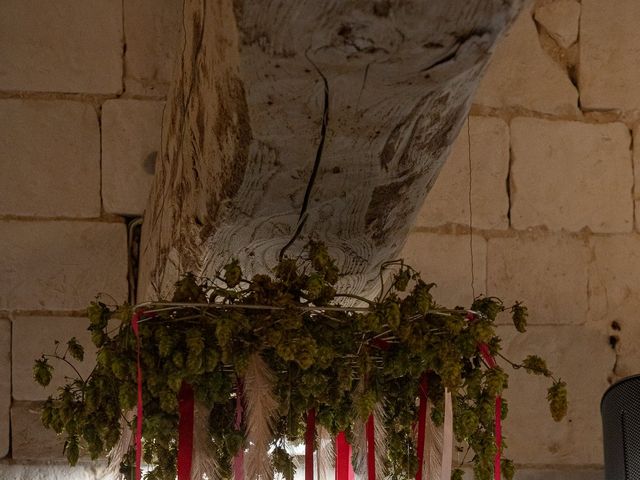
<point x="457" y="474"/>
<point x="232" y="273"/>
<point x="42" y="371"/>
<point x="333" y="361"/>
<point x="536" y="365"/>
<point x="557" y="397"/>
<point x="507" y="468"/>
<point x="519" y="315"/>
<point x="75" y="349"/>
<point x="283" y="463"/>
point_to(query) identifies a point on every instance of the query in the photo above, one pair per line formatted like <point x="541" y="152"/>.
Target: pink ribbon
<point x="488" y="358"/>
<point x="238" y="460"/>
<point x="138" y="437"/>
<point x="185" y="431"/>
<point x="344" y="469"/>
<point x="483" y="348"/>
<point x="371" y="448"/>
<point x="309" y="440"/>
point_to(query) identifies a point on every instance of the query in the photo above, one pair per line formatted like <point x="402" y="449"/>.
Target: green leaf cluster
<point x="341" y="363"/>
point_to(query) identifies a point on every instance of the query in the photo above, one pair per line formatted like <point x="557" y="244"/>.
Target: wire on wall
<point x="473" y="279"/>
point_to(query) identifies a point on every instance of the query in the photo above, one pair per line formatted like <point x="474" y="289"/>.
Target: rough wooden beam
<point x="365" y="97"/>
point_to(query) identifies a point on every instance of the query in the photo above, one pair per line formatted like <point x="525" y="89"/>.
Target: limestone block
<point x="446" y="260"/>
<point x="560" y="19"/>
<point x="636" y="173"/>
<point x="33" y="336"/>
<point x="571" y="175"/>
<point x="31" y="442"/>
<point x="29" y="439"/>
<point x="50" y="471"/>
<point x="579" y="355"/>
<point x="522" y="75"/>
<point x="448" y="200"/>
<point x="50" y="159"/>
<point x="5" y="385"/>
<point x="61" y="46"/>
<point x="130" y="139"/>
<point x="615" y="295"/>
<point x="61" y="265"/>
<point x="575" y="473"/>
<point x="609" y="72"/>
<point x="152" y="30"/>
<point x="549" y="273"/>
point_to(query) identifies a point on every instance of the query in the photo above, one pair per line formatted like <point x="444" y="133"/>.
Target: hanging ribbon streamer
<point x="344" y="469"/>
<point x="238" y="460"/>
<point x="483" y="348"/>
<point x="447" y="437"/>
<point x="371" y="425"/>
<point x="422" y="423"/>
<point x="371" y="448"/>
<point x="138" y="437"/>
<point x="185" y="431"/>
<point x="491" y="362"/>
<point x="309" y="444"/>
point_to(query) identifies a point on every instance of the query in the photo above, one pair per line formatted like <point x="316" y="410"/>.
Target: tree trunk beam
<point x="368" y="95"/>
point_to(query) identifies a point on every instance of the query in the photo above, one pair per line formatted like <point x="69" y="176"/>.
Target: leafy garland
<point x="327" y="360"/>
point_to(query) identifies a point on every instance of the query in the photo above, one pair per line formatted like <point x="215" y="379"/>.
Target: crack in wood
<point x="302" y="218"/>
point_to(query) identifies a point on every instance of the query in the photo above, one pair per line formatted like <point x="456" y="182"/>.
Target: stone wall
<point x="543" y="173"/>
<point x="82" y="88"/>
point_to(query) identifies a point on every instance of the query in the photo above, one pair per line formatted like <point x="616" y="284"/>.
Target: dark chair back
<point x="620" y="409"/>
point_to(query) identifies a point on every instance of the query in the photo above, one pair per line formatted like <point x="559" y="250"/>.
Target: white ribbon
<point x="447" y="437"/>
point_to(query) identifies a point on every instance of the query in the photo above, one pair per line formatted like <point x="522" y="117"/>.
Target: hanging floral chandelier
<point x="221" y="381"/>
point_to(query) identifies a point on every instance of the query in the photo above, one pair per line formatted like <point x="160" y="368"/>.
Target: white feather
<point x="120" y="450"/>
<point x="447" y="436"/>
<point x="325" y="454"/>
<point x="432" y="448"/>
<point x="205" y="463"/>
<point x="261" y="410"/>
<point x="359" y="446"/>
<point x="380" y="440"/>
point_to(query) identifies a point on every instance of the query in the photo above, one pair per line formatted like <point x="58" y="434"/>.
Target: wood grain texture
<point x="391" y="80"/>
